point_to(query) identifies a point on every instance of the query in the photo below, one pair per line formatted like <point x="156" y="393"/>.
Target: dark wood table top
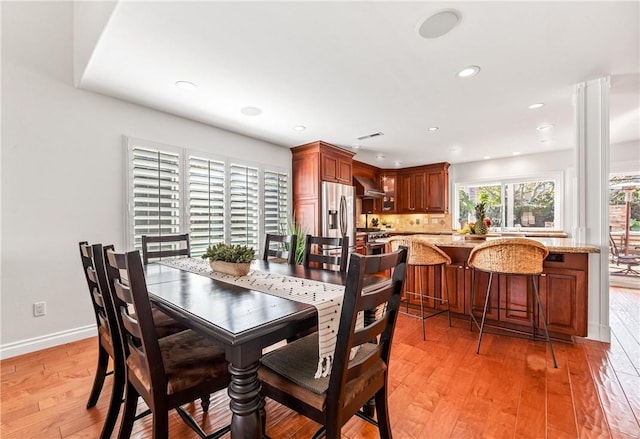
<point x="231" y="313"/>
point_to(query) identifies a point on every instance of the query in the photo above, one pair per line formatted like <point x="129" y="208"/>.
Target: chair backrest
<point x="509" y="255"/>
<point x="613" y="247"/>
<point x="384" y="295"/>
<point x="327" y="251"/>
<point x="133" y="310"/>
<point x="421" y="252"/>
<point x="164" y="246"/>
<point x="94" y="272"/>
<point x="286" y="247"/>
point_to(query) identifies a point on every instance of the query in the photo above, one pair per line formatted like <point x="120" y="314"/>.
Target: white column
<point x="591" y="209"/>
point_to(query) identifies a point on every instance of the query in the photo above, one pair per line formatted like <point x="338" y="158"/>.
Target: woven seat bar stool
<point x="511" y="256"/>
<point x="423" y="255"/>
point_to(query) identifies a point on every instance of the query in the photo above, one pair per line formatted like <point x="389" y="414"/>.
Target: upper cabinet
<point x="423" y="189"/>
<point x="312" y="164"/>
<point x="389" y="203"/>
<point x="336" y="164"/>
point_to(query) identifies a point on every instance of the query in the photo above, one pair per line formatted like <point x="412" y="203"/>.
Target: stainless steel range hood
<point x="367" y="188"/>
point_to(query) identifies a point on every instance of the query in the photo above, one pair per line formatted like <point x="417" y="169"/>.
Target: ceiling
<point x="349" y="69"/>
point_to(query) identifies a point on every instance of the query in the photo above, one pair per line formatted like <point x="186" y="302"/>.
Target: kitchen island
<point x="563" y="285"/>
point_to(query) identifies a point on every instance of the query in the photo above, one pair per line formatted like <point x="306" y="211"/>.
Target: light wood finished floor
<point x="439" y="388"/>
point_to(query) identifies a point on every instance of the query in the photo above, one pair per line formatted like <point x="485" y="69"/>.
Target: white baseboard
<point x="599" y="332"/>
<point x="46" y="341"/>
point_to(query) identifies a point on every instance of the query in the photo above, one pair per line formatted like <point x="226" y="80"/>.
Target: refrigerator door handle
<point x="343" y="216"/>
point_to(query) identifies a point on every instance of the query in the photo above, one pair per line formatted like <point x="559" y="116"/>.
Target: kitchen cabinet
<point x="562" y="285"/>
<point x="312" y="164"/>
<point x="387" y="204"/>
<point x="424" y="189"/>
<point x="336" y="165"/>
<point x="361" y="243"/>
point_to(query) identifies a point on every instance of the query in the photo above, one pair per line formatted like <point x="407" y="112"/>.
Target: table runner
<point x="327" y="299"/>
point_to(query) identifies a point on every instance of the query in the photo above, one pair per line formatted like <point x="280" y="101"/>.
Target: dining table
<point x="243" y="320"/>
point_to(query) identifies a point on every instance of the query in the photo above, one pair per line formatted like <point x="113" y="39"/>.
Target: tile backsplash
<point x="434" y="222"/>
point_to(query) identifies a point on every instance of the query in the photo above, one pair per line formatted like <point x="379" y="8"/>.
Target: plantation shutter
<point x="276" y="202"/>
<point x="243" y="205"/>
<point x="206" y="203"/>
<point x="156" y="192"/>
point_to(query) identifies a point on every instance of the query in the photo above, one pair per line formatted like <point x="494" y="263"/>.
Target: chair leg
<point x="544" y="323"/>
<point x="129" y="412"/>
<point x="160" y="423"/>
<point x="472" y="298"/>
<point x="101" y="372"/>
<point x="384" y="426"/>
<point x="446" y="292"/>
<point x="205" y="402"/>
<point x="484" y="312"/>
<point x="421" y="293"/>
<point x="115" y="403"/>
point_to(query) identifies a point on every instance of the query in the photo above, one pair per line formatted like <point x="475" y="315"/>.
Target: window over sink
<point x="528" y="203"/>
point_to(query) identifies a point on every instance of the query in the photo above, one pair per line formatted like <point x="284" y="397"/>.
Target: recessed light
<point x="537" y="105"/>
<point x="397" y="163"/>
<point x="356" y="146"/>
<point x="487" y="157"/>
<point x="186" y="85"/>
<point x="468" y="72"/>
<point x="453" y="149"/>
<point x="439" y="24"/>
<point x="516" y="153"/>
<point x="433" y="128"/>
<point x="544" y="141"/>
<point x="299" y="128"/>
<point x="380" y="156"/>
<point x="544" y="127"/>
<point x="251" y="111"/>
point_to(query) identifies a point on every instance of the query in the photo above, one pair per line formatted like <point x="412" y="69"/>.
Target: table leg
<point x="246" y="403"/>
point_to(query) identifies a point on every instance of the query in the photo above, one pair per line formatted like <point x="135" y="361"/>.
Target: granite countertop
<point x="564" y="245"/>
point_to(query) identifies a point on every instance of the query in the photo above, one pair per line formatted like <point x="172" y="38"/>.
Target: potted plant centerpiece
<point x="230" y="259"/>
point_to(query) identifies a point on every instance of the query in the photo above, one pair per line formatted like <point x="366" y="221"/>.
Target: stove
<point x="372" y="236"/>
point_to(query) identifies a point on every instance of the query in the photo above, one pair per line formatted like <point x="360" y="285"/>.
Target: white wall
<point x="62" y="173"/>
<point x="625" y="158"/>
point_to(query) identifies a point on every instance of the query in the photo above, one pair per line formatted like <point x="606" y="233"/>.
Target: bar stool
<point x="422" y="255"/>
<point x="512" y="256"/>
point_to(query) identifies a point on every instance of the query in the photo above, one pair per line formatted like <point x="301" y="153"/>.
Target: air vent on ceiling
<point x="368" y="136"/>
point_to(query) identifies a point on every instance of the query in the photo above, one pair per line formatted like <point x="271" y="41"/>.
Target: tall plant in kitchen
<point x="481" y="211"/>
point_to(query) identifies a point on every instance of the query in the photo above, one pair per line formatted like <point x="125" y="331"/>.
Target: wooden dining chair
<point x="331" y="253"/>
<point x="163" y="246"/>
<point x="285" y="247"/>
<point x="287" y="374"/>
<point x="109" y="339"/>
<point x="109" y="342"/>
<point x="166" y="372"/>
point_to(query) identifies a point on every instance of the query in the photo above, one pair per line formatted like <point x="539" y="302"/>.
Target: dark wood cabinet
<point x="563" y="290"/>
<point x="389" y="203"/>
<point x="361" y="243"/>
<point x="336" y="165"/>
<point x="424" y="189"/>
<point x="312" y="164"/>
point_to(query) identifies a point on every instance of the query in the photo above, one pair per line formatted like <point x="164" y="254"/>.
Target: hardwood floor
<point x="439" y="388"/>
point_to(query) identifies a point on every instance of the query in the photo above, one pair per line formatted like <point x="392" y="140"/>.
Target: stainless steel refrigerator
<point x="338" y="211"/>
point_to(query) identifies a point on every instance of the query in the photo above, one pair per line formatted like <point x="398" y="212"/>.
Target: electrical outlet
<point x="39" y="309"/>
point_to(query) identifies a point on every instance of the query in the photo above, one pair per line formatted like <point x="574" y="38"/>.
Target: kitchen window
<point x="514" y="204"/>
<point x="215" y="199"/>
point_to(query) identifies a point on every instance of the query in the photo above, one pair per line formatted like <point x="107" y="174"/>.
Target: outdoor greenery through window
<point x="513" y="204"/>
<point x="214" y="199"/>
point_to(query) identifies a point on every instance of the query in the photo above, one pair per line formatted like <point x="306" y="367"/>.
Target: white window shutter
<point x="206" y="203"/>
<point x="243" y="205"/>
<point x="155" y="177"/>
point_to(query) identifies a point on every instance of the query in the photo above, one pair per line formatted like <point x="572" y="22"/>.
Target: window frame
<point x="184" y="211"/>
<point x="556" y="177"/>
